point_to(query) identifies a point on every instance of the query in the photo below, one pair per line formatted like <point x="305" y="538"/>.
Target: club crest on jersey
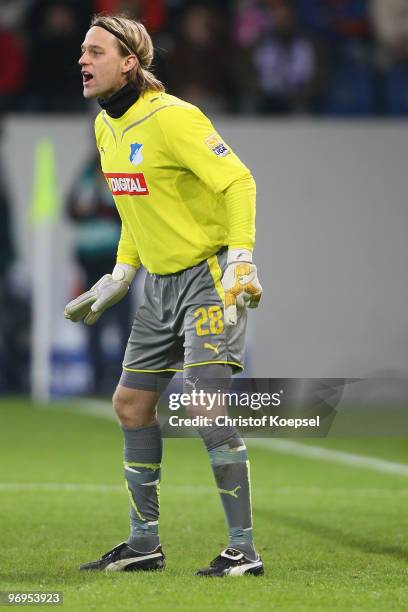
<point x="216" y="145"/>
<point x="136" y="156"/>
<point x="127" y="184"/>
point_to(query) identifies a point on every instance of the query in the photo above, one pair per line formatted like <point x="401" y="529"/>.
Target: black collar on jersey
<point x="121" y="101"/>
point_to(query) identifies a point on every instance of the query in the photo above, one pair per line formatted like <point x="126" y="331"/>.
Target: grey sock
<point x="229" y="461"/>
<point x="142" y="459"/>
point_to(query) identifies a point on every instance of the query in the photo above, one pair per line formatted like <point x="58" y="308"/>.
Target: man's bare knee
<point x="135" y="407"/>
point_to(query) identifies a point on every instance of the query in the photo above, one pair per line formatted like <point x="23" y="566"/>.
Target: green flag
<point x="45" y="204"/>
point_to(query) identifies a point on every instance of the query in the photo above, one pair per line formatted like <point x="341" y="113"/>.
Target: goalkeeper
<point x="187" y="206"/>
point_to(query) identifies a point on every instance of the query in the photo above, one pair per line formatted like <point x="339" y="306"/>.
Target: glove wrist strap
<point x="124" y="272"/>
<point x="239" y="255"/>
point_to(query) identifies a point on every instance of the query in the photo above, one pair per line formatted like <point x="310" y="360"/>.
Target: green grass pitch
<point x="333" y="537"/>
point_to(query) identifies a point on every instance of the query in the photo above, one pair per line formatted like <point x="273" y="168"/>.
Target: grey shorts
<point x="180" y="325"/>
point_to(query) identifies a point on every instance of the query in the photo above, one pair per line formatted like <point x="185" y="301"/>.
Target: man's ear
<point x="129" y="63"/>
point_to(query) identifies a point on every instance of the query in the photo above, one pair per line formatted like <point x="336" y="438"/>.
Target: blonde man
<point x="187" y="205"/>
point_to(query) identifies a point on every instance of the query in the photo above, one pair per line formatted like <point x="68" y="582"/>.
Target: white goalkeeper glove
<point x="240" y="283"/>
<point x="109" y="290"/>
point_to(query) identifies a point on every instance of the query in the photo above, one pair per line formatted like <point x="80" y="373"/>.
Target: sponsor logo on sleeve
<point x="216" y="145"/>
<point x="127" y="184"/>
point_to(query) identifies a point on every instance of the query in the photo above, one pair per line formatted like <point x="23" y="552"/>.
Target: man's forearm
<point x="240" y="280"/>
<point x="240" y="199"/>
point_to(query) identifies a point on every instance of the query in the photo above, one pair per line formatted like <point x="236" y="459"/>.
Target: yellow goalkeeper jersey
<point x="167" y="168"/>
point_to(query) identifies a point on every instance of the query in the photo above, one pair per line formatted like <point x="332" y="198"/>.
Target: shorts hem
<point x="225" y="361"/>
<point x="187" y="365"/>
<point x="151" y="371"/>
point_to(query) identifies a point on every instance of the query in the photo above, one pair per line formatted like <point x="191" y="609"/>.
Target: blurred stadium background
<point x="313" y="95"/>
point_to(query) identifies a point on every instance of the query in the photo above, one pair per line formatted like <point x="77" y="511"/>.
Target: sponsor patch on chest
<point x="127" y="184"/>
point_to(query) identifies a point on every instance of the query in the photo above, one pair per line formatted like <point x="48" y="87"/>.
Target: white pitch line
<point x="59" y="486"/>
<point x="103" y="409"/>
<point x="93" y="488"/>
<point x="288" y="447"/>
<point x="198" y="489"/>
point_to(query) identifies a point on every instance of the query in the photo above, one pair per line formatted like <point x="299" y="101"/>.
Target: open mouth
<point x="86" y="77"/>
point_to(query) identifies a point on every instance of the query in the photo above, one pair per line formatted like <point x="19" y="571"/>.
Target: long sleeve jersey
<point x="175" y="183"/>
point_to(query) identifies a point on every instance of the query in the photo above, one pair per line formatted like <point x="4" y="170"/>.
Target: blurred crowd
<point x="329" y="57"/>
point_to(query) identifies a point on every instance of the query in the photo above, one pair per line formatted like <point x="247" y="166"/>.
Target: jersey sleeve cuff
<point x="130" y="261"/>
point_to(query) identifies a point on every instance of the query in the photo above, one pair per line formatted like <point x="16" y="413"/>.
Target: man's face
<point x="103" y="69"/>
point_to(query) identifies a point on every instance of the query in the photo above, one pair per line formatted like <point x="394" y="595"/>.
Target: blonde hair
<point x="134" y="39"/>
